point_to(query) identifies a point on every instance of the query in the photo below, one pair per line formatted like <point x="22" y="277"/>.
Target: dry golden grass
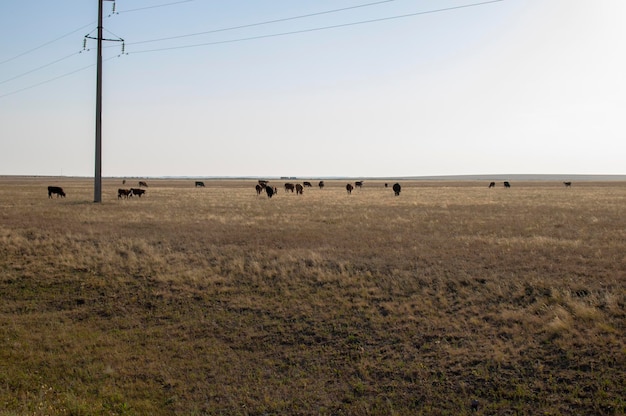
<point x="218" y="301"/>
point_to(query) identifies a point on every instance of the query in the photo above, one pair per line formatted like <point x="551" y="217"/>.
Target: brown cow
<point x="492" y="184"/>
<point x="349" y="188"/>
<point x="358" y="184"/>
<point x="144" y="184"/>
<point x="299" y="189"/>
<point x="321" y="184"/>
<point x="259" y="189"/>
<point x="57" y="190"/>
<point x="289" y="187"/>
<point x="137" y="192"/>
<point x="124" y="193"/>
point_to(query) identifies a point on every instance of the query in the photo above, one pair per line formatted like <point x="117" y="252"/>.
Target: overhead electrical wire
<point x="54" y="79"/>
<point x="231" y="40"/>
<point x="87" y="25"/>
<point x="294" y="32"/>
<point x="44" y="44"/>
<point x="262" y="23"/>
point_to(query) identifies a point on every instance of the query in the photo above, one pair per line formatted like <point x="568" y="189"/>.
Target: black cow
<point x="358" y="184"/>
<point x="199" y="184"/>
<point x="269" y="191"/>
<point x="308" y="184"/>
<point x="396" y="189"/>
<point x="567" y="184"/>
<point x="138" y="192"/>
<point x="57" y="190"/>
<point x="492" y="184"/>
<point x="349" y="188"/>
<point x="142" y="183"/>
<point x="299" y="189"/>
<point x="386" y="184"/>
<point x="125" y="193"/>
<point x="506" y="184"/>
<point x="289" y="187"/>
<point x="321" y="184"/>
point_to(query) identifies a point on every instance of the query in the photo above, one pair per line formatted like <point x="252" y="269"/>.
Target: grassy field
<point x="450" y="299"/>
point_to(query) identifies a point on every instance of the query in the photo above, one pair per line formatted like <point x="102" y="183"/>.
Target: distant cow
<point x="57" y="190"/>
<point x="124" y="193"/>
<point x="396" y="189"/>
<point x="506" y="184"/>
<point x="289" y="187"/>
<point x="299" y="189"/>
<point x="258" y="188"/>
<point x="307" y="184"/>
<point x="567" y="184"/>
<point x="142" y="183"/>
<point x="358" y="184"/>
<point x="269" y="191"/>
<point x="386" y="184"/>
<point x="199" y="184"/>
<point x="321" y="184"/>
<point x="138" y="192"/>
<point x="492" y="184"/>
<point x="349" y="188"/>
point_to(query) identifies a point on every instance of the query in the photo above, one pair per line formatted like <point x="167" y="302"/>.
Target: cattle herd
<point x="261" y="186"/>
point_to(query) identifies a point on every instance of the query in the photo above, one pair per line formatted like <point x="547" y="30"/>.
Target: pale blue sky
<point x="511" y="86"/>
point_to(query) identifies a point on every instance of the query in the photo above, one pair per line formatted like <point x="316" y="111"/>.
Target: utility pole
<point x="97" y="188"/>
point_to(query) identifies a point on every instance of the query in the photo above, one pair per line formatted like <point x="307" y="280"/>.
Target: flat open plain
<point x="449" y="299"/>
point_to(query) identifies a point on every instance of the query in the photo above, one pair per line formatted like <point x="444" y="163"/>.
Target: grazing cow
<point x="124" y="193"/>
<point x="299" y="189"/>
<point x="386" y="184"/>
<point x="492" y="184"/>
<point x="349" y="188"/>
<point x="199" y="184"/>
<point x="308" y="184"/>
<point x="259" y="189"/>
<point x="138" y="192"/>
<point x="142" y="183"/>
<point x="289" y="187"/>
<point x="269" y="191"/>
<point x="506" y="184"/>
<point x="124" y="182"/>
<point x="396" y="189"/>
<point x="567" y="184"/>
<point x="321" y="184"/>
<point x="57" y="190"/>
<point x="358" y="184"/>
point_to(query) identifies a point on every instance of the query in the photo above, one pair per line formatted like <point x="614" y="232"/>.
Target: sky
<point x="324" y="88"/>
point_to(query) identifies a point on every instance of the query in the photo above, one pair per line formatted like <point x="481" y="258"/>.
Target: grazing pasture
<point x="451" y="299"/>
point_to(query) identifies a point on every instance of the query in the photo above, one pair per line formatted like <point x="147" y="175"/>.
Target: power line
<point x="254" y="37"/>
<point x="44" y="44"/>
<point x="316" y="29"/>
<point x="40" y="67"/>
<point x="153" y="7"/>
<point x="262" y="23"/>
<point x="54" y="79"/>
<point x="83" y="27"/>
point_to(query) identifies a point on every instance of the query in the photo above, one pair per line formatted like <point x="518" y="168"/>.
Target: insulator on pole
<point x="84" y="43"/>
